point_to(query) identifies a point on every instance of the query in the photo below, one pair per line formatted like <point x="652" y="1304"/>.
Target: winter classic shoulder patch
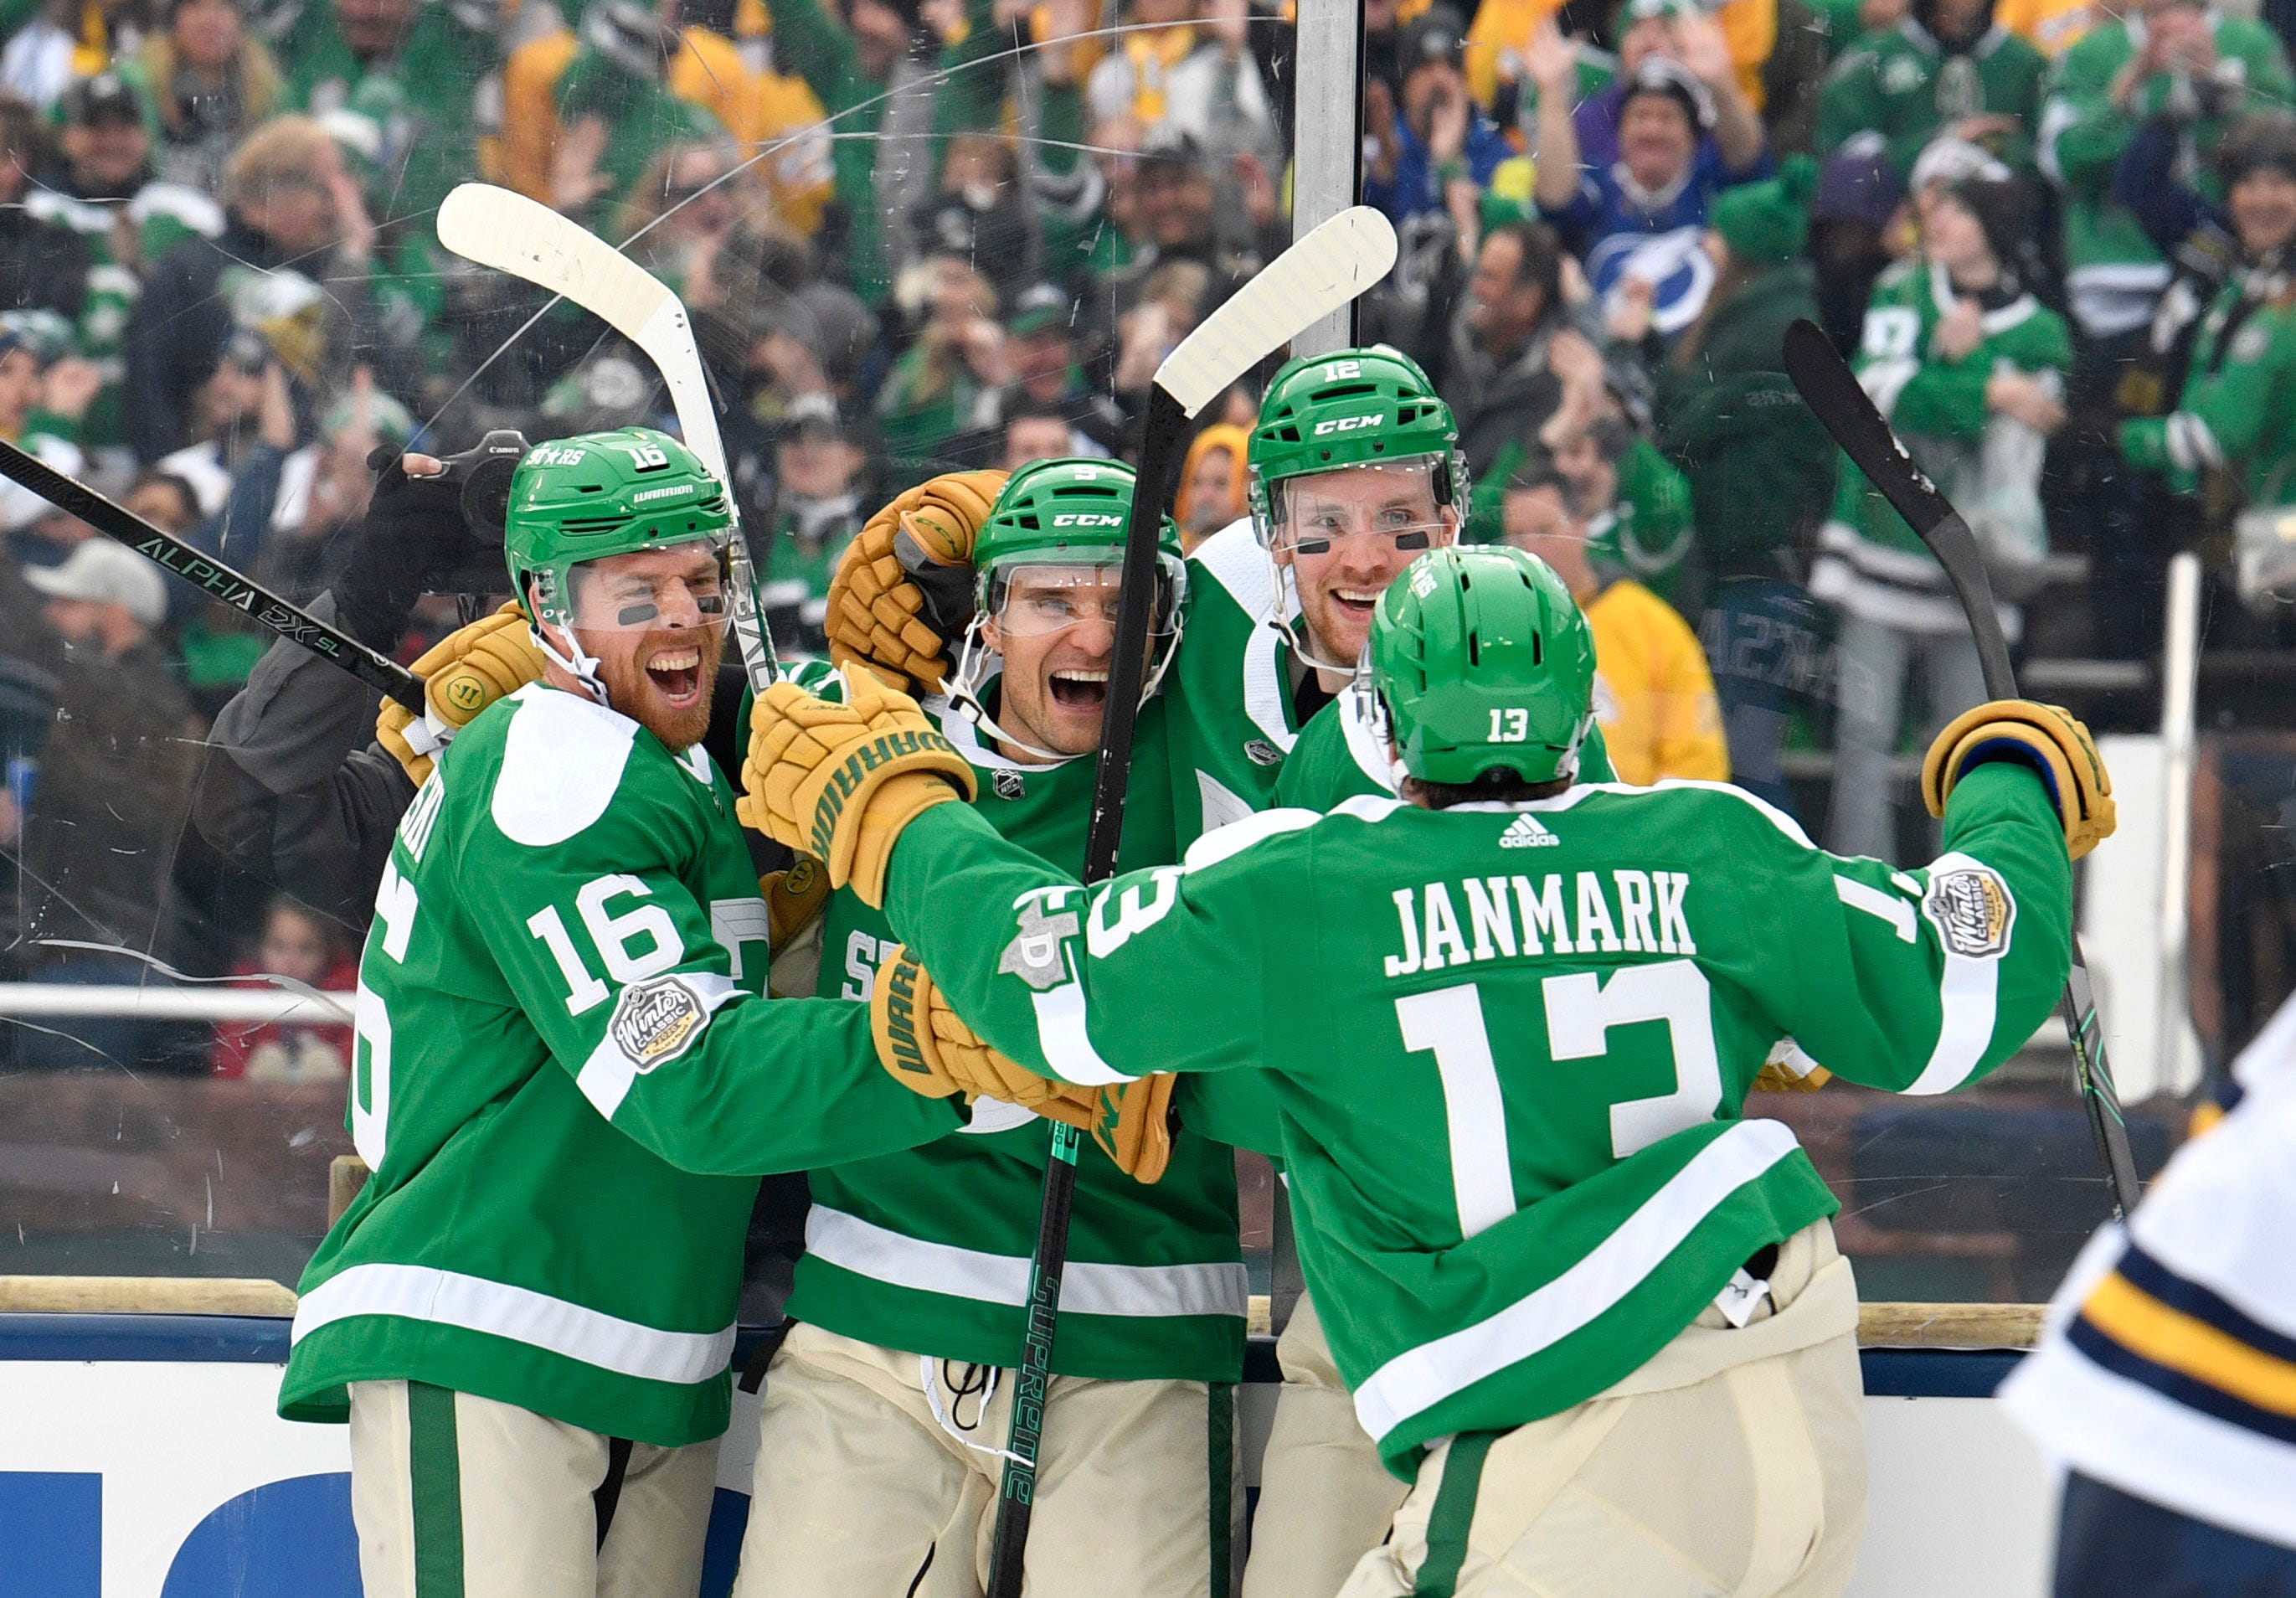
<point x="1971" y="910"/>
<point x="656" y="1021"/>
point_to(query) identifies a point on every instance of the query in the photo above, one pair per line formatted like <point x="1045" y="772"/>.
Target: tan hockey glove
<point x="921" y="1042"/>
<point x="839" y="782"/>
<point x="1135" y="1127"/>
<point x="462" y="673"/>
<point x="1788" y="1070"/>
<point x="794" y="900"/>
<point x="903" y="588"/>
<point x="2051" y="737"/>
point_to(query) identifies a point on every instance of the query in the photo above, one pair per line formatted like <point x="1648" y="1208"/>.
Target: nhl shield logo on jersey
<point x="1259" y="752"/>
<point x="655" y="1022"/>
<point x="1009" y="784"/>
<point x="1971" y="910"/>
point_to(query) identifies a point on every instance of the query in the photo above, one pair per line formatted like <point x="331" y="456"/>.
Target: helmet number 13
<point x="1510" y="724"/>
<point x="1581" y="1009"/>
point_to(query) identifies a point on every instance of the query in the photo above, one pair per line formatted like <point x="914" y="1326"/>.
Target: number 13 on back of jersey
<point x="1581" y="1007"/>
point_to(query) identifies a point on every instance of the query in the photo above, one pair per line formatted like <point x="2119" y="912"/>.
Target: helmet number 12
<point x="1510" y="724"/>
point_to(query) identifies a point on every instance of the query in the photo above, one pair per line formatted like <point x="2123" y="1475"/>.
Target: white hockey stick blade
<point x="501" y="229"/>
<point x="1334" y="263"/>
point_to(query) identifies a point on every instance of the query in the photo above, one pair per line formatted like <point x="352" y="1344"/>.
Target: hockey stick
<point x="1831" y="390"/>
<point x="501" y="229"/>
<point x="1315" y="277"/>
<point x="250" y="598"/>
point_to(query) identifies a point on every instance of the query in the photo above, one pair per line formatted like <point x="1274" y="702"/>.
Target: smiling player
<point x="877" y="1464"/>
<point x="564" y="1069"/>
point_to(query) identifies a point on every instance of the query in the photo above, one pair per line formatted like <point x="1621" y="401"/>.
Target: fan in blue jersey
<point x="1684" y="133"/>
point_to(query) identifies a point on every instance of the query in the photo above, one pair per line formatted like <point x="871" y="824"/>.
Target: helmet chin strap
<point x="1297" y="634"/>
<point x="972" y="675"/>
<point x="580" y="665"/>
<point x="964" y="686"/>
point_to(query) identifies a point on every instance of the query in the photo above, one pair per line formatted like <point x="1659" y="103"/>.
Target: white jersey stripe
<point x="1087" y="1287"/>
<point x="1066" y="1044"/>
<point x="607" y="1076"/>
<point x="1418" y="1380"/>
<point x="474" y="1303"/>
<point x="1967" y="992"/>
<point x="2144" y="1442"/>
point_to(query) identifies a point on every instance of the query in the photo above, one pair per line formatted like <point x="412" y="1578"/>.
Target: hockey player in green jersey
<point x="566" y="1080"/>
<point x="884" y="1411"/>
<point x="1355" y="470"/>
<point x="1597" y="1316"/>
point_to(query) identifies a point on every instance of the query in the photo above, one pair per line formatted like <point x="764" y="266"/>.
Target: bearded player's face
<point x="1346" y="535"/>
<point x="655" y="620"/>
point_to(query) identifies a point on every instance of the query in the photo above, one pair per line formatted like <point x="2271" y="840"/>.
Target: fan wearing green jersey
<point x="1593" y="1314"/>
<point x="884" y="1411"/>
<point x="566" y="1080"/>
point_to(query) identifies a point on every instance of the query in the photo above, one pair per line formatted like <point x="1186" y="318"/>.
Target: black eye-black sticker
<point x="638" y="614"/>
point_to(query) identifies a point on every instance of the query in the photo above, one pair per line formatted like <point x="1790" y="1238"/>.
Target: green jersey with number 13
<point x="1510" y="1043"/>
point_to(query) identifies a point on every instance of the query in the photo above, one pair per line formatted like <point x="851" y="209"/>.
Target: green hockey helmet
<point x="1370" y="407"/>
<point x="601" y="494"/>
<point x="1069" y="514"/>
<point x="1484" y="663"/>
<point x="1056" y="525"/>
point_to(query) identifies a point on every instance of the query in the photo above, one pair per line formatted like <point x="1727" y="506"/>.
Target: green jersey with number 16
<point x="566" y="1083"/>
<point x="1510" y="1043"/>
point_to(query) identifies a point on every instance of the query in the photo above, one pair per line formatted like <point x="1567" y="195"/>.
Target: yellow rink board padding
<point x="1879" y="1325"/>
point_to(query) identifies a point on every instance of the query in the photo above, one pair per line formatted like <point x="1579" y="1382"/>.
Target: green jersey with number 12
<point x="566" y="1082"/>
<point x="1510" y="1043"/>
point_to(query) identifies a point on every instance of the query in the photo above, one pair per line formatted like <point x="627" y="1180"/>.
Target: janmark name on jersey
<point x="1634" y="913"/>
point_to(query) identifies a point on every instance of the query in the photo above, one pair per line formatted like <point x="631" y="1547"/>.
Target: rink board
<point x="140" y="1458"/>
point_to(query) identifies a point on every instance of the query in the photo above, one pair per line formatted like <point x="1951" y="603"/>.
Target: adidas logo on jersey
<point x="1524" y="832"/>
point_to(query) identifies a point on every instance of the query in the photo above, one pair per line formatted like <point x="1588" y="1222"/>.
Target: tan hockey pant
<point x="1325" y="1499"/>
<point x="1704" y="1473"/>
<point x="859" y="1492"/>
<point x="458" y="1496"/>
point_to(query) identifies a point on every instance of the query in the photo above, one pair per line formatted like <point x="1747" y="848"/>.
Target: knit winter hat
<point x="1767" y="222"/>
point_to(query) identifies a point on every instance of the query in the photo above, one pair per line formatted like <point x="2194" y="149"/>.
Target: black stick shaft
<point x="1834" y="392"/>
<point x="250" y="598"/>
<point x="1160" y="453"/>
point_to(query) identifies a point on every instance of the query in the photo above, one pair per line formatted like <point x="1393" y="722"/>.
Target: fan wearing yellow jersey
<point x="1654" y="694"/>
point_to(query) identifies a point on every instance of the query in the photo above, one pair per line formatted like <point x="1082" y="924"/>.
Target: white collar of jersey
<point x="1360" y="721"/>
<point x="606" y="713"/>
<point x="2017" y="310"/>
<point x="1235" y="562"/>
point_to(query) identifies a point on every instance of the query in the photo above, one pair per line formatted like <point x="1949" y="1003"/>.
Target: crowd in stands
<point x="920" y="234"/>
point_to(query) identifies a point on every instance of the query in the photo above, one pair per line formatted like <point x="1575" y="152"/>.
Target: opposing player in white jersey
<point x="2167" y="1381"/>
